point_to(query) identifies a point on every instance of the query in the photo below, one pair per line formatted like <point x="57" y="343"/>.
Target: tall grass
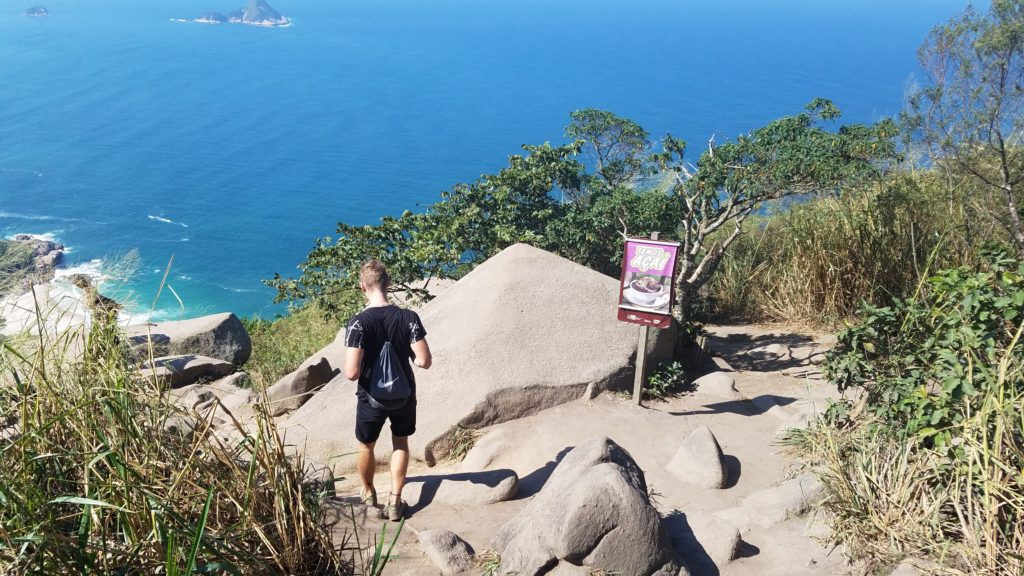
<point x="888" y="499"/>
<point x="95" y="479"/>
<point x="814" y="262"/>
<point x="279" y="345"/>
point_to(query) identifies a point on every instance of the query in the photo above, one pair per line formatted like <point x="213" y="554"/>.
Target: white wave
<point x="166" y="220"/>
<point x="237" y="290"/>
<point x="45" y="237"/>
<point x="19" y="216"/>
<point x="184" y="240"/>
<point x="37" y="173"/>
<point x="184" y="277"/>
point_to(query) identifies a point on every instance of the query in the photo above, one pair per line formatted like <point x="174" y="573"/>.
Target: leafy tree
<point x="972" y="114"/>
<point x="618" y="146"/>
<point x="470" y="223"/>
<point x="520" y="203"/>
<point x="791" y="156"/>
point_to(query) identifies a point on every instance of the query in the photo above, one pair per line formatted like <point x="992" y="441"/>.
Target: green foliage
<point x="281" y="344"/>
<point x="791" y="156"/>
<point x="666" y="381"/>
<point x="618" y="146"/>
<point x="547" y="198"/>
<point x="16" y="264"/>
<point x="926" y="361"/>
<point x="970" y="114"/>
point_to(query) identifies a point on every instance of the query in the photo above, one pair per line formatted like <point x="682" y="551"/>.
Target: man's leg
<point x="399" y="466"/>
<point x="367" y="465"/>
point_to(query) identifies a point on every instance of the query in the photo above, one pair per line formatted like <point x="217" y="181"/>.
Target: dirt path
<point x="777" y="385"/>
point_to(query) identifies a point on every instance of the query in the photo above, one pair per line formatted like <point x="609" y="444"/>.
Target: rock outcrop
<point x="254" y="13"/>
<point x="594" y="511"/>
<point x="220" y="336"/>
<point x="524" y="331"/>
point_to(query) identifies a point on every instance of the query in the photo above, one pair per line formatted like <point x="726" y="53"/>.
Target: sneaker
<point x="369" y="499"/>
<point x="396" y="511"/>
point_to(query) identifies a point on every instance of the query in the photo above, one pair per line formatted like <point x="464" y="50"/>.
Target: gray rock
<point x="294" y="389"/>
<point x="706" y="538"/>
<point x="717" y="385"/>
<point x="228" y="394"/>
<point x="493" y="359"/>
<point x="178" y="371"/>
<point x="220" y="336"/>
<point x="699" y="460"/>
<point x="776" y="504"/>
<point x="487" y="448"/>
<point x="593" y="511"/>
<point x="915" y="567"/>
<point x="450" y="553"/>
<point x="569" y="569"/>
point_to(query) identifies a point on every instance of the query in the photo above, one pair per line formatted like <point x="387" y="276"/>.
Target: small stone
<point x="699" y="460"/>
<point x="718" y="385"/>
<point x="447" y="550"/>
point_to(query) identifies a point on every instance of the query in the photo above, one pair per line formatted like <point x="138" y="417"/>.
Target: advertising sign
<point x="645" y="293"/>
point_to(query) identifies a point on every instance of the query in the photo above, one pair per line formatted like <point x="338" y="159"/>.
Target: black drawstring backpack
<point x="389" y="386"/>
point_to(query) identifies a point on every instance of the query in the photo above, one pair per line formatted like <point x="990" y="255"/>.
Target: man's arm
<point x="421" y="354"/>
<point x="353" y="363"/>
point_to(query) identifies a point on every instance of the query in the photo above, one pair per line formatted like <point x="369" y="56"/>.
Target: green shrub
<point x="929" y="461"/>
<point x="281" y="344"/>
<point x="921" y="358"/>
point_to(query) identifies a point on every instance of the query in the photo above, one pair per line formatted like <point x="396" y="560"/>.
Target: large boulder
<point x="593" y="511"/>
<point x="179" y="371"/>
<point x="294" y="389"/>
<point x="220" y="336"/>
<point x="524" y="331"/>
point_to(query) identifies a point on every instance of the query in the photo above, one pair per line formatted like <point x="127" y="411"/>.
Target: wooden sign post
<point x="645" y="294"/>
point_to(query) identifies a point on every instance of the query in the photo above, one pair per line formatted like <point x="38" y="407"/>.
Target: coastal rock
<point x="451" y="554"/>
<point x="219" y="336"/>
<point x="524" y="331"/>
<point x="178" y="371"/>
<point x="593" y="511"/>
<point x="294" y="389"/>
<point x="212" y="18"/>
<point x="699" y="460"/>
<point x="31" y="257"/>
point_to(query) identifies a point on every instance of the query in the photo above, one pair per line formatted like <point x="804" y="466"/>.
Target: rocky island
<point x="25" y="259"/>
<point x="255" y="13"/>
<point x="37" y="11"/>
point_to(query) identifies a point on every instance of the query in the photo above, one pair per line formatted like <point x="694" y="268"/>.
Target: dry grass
<point x="96" y="480"/>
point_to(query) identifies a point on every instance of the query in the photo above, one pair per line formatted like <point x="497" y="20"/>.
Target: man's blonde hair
<point x="373" y="274"/>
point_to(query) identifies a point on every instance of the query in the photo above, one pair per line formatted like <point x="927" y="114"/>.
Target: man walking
<point x="383" y="334"/>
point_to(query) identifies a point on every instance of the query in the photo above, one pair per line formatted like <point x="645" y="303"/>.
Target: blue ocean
<point x="133" y="138"/>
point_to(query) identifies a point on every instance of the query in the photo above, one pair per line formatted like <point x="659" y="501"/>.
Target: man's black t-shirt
<point x="373" y="326"/>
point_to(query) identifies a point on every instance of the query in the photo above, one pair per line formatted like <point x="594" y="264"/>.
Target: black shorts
<point x="370" y="420"/>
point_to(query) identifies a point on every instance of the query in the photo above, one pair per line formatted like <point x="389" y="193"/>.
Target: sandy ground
<point x="774" y="369"/>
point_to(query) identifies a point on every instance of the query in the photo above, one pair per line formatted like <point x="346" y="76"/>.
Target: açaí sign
<point x="645" y="293"/>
